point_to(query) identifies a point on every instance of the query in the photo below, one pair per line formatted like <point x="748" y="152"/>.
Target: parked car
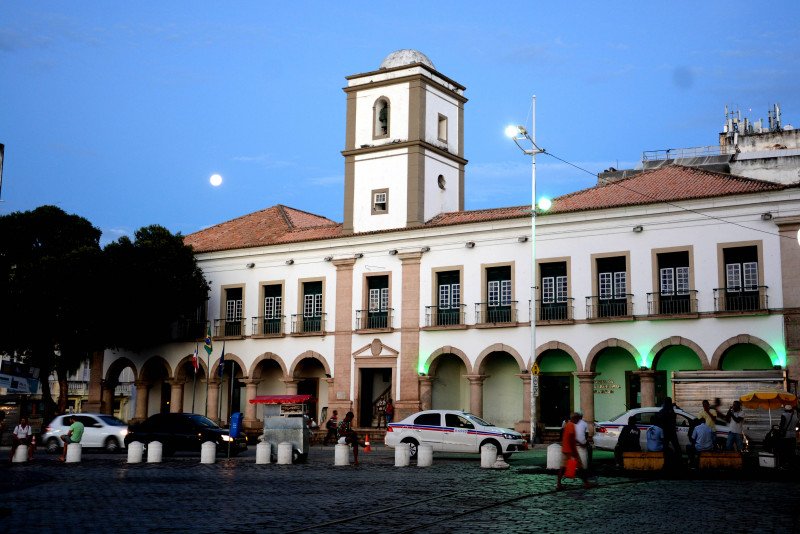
<point x="184" y="432"/>
<point x="99" y="430"/>
<point x="606" y="433"/>
<point x="452" y="431"/>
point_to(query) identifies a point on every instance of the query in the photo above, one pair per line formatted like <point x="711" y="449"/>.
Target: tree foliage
<point x="63" y="297"/>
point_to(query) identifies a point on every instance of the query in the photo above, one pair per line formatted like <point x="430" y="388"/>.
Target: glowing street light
<point x="521" y="138"/>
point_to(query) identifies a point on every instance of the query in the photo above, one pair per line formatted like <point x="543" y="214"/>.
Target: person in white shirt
<point x="582" y="438"/>
<point x="22" y="436"/>
<point x="735" y="419"/>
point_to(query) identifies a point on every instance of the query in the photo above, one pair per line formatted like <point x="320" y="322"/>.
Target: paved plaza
<point x="104" y="494"/>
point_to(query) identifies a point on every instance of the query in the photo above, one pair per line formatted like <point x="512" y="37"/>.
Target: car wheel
<point x="413" y="445"/>
<point x="111" y="445"/>
<point x="507" y="456"/>
<point x="52" y="446"/>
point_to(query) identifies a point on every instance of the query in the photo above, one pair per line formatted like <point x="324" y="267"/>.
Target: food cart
<point x="285" y="420"/>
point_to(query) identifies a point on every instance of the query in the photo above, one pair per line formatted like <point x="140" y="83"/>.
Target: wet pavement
<point x="103" y="494"/>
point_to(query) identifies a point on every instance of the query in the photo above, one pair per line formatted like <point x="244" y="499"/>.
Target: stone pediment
<point x="376" y="349"/>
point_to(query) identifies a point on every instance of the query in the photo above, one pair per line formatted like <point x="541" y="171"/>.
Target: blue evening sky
<point x="120" y="111"/>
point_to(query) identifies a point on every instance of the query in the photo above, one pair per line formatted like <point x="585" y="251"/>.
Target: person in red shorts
<point x="569" y="450"/>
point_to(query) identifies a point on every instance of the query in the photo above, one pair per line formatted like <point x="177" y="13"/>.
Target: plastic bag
<point x="572" y="468"/>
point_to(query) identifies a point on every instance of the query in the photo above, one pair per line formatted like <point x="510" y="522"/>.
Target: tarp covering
<point x="281" y="399"/>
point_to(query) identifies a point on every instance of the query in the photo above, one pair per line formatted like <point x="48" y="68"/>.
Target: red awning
<point x="281" y="399"/>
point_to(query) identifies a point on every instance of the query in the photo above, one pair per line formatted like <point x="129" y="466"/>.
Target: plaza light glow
<point x="512" y="131"/>
<point x="545" y="203"/>
<point x="215" y="180"/>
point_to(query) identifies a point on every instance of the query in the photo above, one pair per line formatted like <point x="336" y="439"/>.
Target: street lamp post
<point x="521" y="137"/>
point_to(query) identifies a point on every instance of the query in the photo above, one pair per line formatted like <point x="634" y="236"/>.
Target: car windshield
<point x="619" y="416"/>
<point x="204" y="421"/>
<point x="112" y="421"/>
<point x="476" y="419"/>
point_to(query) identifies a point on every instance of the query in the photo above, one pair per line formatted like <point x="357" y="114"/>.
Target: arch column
<point x="107" y="399"/>
<point x="251" y="388"/>
<point x="142" y="389"/>
<point x="524" y="425"/>
<point x="212" y="402"/>
<point x="586" y="384"/>
<point x="291" y="385"/>
<point x="647" y="386"/>
<point x="175" y="395"/>
<point x="425" y="392"/>
<point x="476" y="393"/>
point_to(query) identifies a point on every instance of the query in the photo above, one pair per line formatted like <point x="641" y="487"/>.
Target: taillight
<point x="389" y="429"/>
<point x="601" y="430"/>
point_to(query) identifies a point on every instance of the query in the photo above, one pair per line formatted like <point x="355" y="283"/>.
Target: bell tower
<point x="404" y="145"/>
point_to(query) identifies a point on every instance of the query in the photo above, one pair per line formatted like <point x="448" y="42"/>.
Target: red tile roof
<point x="281" y="224"/>
<point x="666" y="184"/>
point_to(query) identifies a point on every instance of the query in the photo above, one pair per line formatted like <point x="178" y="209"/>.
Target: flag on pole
<point x="195" y="360"/>
<point x="207" y="343"/>
<point x="221" y="368"/>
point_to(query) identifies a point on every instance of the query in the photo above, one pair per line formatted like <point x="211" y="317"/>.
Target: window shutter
<point x="444" y="296"/>
<point x="733" y="277"/>
<point x="561" y="289"/>
<point x="750" y="275"/>
<point x="682" y="280"/>
<point x="494" y="293"/>
<point x="374" y="299"/>
<point x="605" y="286"/>
<point x="667" y="276"/>
<point x="385" y="299"/>
<point x="456" y="295"/>
<point x="318" y="305"/>
<point x="548" y="289"/>
<point x="620" y="285"/>
<point x="505" y="292"/>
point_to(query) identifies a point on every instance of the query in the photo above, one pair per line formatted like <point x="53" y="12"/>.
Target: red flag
<point x="195" y="360"/>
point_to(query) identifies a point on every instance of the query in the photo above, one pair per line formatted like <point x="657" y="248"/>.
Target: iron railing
<point x="371" y="320"/>
<point x="619" y="306"/>
<point x="268" y="326"/>
<point x="450" y="316"/>
<point x="734" y="299"/>
<point x="672" y="303"/>
<point x="555" y="310"/>
<point x="308" y="325"/>
<point x="486" y="313"/>
<point x="226" y="328"/>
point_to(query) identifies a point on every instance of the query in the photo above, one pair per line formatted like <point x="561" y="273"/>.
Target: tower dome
<point x="405" y="56"/>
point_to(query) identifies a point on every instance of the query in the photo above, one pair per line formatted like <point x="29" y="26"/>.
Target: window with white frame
<point x="554" y="289"/>
<point x="449" y="290"/>
<point x="741" y="268"/>
<point x="380" y="201"/>
<point x="498" y="286"/>
<point x="233" y="304"/>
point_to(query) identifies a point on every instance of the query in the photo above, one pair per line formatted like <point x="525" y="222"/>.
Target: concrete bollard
<point x="554" y="456"/>
<point x="424" y="456"/>
<point x="74" y="453"/>
<point x="342" y="454"/>
<point x="263" y="452"/>
<point x="208" y="452"/>
<point x="488" y="456"/>
<point x="20" y="454"/>
<point x="135" y="452"/>
<point x="285" y="453"/>
<point x="402" y="455"/>
<point x="155" y="450"/>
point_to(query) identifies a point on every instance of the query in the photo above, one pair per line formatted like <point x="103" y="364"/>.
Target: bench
<point x="720" y="460"/>
<point x="643" y="461"/>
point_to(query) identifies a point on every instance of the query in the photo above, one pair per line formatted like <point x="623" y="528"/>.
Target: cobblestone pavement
<point x="104" y="494"/>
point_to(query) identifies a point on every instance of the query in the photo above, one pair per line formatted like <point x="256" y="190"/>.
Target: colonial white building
<point x="413" y="298"/>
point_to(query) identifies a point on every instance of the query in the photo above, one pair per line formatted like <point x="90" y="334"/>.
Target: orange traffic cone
<point x="367" y="448"/>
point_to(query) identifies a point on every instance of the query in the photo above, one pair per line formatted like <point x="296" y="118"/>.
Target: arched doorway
<point x="155" y="386"/>
<point x="671" y="359"/>
<point x="119" y="390"/>
<point x="745" y="357"/>
<point x="559" y="393"/>
<point x="502" y="389"/>
<point x="310" y="376"/>
<point x="231" y="390"/>
<point x="616" y="388"/>
<point x="450" y="387"/>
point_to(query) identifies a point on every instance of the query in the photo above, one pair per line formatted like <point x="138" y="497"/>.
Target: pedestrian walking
<point x="569" y="453"/>
<point x="735" y="419"/>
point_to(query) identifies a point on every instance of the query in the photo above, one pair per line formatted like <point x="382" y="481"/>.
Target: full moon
<point x="216" y="180"/>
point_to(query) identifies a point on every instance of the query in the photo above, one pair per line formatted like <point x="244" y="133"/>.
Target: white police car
<point x="606" y="433"/>
<point x="452" y="431"/>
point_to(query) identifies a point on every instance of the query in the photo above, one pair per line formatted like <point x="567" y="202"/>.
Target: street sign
<point x="535" y="385"/>
<point x="535" y="369"/>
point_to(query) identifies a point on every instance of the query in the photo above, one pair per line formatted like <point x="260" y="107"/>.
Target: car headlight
<point x="512" y="436"/>
<point x="226" y="437"/>
<point x="124" y="433"/>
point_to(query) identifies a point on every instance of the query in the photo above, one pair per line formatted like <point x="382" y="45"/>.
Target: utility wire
<point x="645" y="195"/>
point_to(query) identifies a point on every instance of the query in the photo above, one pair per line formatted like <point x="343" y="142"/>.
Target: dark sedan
<point x="184" y="432"/>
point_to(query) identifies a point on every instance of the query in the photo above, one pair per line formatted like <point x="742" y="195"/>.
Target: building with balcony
<point x="413" y="298"/>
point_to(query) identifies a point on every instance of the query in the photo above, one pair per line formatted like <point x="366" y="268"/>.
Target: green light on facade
<point x="780" y="356"/>
<point x="646" y="359"/>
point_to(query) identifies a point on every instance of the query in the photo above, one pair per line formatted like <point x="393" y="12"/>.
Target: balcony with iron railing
<point x="445" y="317"/>
<point x="495" y="314"/>
<point x="314" y="325"/>
<point x="268" y="326"/>
<point x="684" y="303"/>
<point x="189" y="330"/>
<point x="621" y="306"/>
<point x="551" y="311"/>
<point x="374" y="320"/>
<point x="741" y="299"/>
<point x="226" y="328"/>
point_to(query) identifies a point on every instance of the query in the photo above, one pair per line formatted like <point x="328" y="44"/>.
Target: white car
<point x="452" y="431"/>
<point x="606" y="433"/>
<point x="99" y="430"/>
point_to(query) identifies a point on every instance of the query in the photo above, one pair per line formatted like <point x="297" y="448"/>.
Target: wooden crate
<point x="720" y="460"/>
<point x="643" y="461"/>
